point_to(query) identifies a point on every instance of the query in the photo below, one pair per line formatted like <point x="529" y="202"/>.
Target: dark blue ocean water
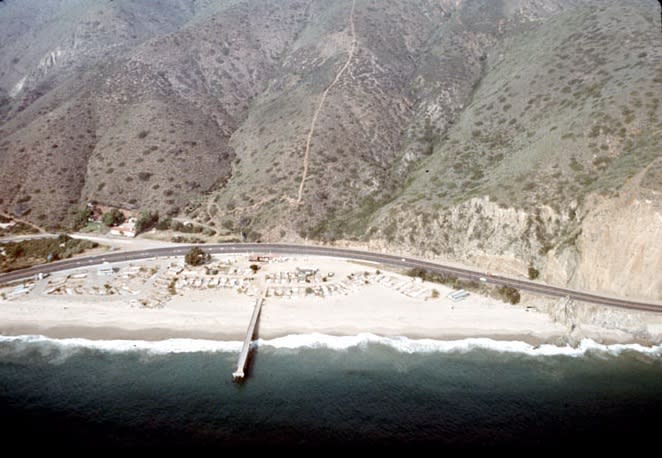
<point x="370" y="394"/>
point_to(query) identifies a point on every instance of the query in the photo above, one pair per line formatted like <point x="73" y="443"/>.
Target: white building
<point x="127" y="228"/>
<point x="105" y="269"/>
<point x="458" y="295"/>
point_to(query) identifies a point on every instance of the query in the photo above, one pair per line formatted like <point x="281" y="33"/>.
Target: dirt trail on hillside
<point x="211" y="204"/>
<point x="313" y="123"/>
<point x="26" y="222"/>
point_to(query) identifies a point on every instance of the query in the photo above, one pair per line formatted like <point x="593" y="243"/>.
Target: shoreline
<point x="162" y="300"/>
<point x="155" y="335"/>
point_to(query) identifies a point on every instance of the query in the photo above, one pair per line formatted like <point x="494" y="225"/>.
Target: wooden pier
<point x="238" y="375"/>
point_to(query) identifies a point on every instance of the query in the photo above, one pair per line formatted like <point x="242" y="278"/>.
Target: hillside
<point x="503" y="134"/>
<point x="566" y="119"/>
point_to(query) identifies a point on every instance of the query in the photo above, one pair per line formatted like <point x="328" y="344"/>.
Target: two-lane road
<point x="311" y="250"/>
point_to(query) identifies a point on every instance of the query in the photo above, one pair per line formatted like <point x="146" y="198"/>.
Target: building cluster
<point x="410" y="287"/>
<point x="126" y="229"/>
<point x="308" y="282"/>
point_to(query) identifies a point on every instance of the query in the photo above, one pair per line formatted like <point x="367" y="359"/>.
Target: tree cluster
<point x="509" y="294"/>
<point x="113" y="217"/>
<point x="147" y="220"/>
<point x="196" y="257"/>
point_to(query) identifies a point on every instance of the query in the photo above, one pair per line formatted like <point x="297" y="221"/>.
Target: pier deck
<point x="238" y="374"/>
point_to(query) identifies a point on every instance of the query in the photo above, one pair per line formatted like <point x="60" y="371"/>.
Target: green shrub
<point x="509" y="294"/>
<point x="445" y="279"/>
<point x="196" y="257"/>
<point x="164" y="223"/>
<point x="113" y="217"/>
<point x="30" y="252"/>
<point x="533" y="273"/>
<point x="80" y="220"/>
<point x="147" y="220"/>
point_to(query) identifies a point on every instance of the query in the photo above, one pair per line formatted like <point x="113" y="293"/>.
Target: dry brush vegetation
<point x="454" y="128"/>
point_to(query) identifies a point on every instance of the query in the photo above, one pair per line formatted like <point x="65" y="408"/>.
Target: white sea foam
<point x="337" y="343"/>
<point x="122" y="346"/>
<point x="407" y="345"/>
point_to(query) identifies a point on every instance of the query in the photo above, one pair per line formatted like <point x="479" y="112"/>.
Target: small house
<point x="304" y="273"/>
<point x="105" y="269"/>
<point x="259" y="258"/>
<point x="458" y="295"/>
<point x="126" y="229"/>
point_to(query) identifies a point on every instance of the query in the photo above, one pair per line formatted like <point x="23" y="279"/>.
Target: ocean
<point x="323" y="391"/>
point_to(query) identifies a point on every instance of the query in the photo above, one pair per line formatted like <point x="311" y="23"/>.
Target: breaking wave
<point x="408" y="345"/>
<point x="46" y="345"/>
<point x="62" y="348"/>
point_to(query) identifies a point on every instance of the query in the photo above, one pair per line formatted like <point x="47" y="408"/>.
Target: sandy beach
<point x="137" y="302"/>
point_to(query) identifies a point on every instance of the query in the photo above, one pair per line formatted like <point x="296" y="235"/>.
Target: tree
<point x="80" y="219"/>
<point x="196" y="257"/>
<point x="146" y="221"/>
<point x="254" y="268"/>
<point x="14" y="250"/>
<point x="533" y="273"/>
<point x="113" y="217"/>
<point x="164" y="223"/>
<point x="510" y="294"/>
<point x="171" y="287"/>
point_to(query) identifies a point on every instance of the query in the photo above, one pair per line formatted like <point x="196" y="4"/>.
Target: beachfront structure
<point x="458" y="295"/>
<point x="307" y="271"/>
<point x="304" y="273"/>
<point x="19" y="291"/>
<point x="105" y="269"/>
<point x="260" y="258"/>
<point x="239" y="374"/>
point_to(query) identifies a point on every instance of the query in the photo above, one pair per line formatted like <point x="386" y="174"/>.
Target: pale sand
<point x="223" y="314"/>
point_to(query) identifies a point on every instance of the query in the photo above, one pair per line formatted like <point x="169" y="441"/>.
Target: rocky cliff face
<point x="608" y="245"/>
<point x="620" y="249"/>
<point x="588" y="320"/>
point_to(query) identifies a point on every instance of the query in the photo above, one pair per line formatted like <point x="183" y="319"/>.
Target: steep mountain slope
<point x="501" y="133"/>
<point x="357" y="133"/>
<point x="566" y="111"/>
<point x="147" y="126"/>
<point x="41" y="43"/>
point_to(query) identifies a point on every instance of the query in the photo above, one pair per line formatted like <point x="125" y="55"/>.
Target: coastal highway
<point x="312" y="250"/>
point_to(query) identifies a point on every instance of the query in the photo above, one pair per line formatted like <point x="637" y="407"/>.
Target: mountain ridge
<point x="495" y="132"/>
